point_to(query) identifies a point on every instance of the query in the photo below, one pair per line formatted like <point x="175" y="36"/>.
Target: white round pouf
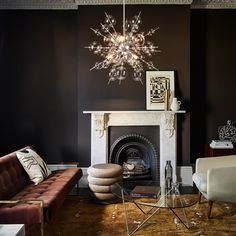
<point x="104" y="181"/>
<point x="99" y="188"/>
<point x="105" y="170"/>
<point x="100" y="178"/>
<point x="103" y="197"/>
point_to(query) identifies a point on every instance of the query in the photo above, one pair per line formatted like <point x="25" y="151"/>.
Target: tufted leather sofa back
<point x="13" y="177"/>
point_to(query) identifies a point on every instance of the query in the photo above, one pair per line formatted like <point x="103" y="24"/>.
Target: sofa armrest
<point x="35" y="202"/>
<point x="221" y="184"/>
<point x="203" y="164"/>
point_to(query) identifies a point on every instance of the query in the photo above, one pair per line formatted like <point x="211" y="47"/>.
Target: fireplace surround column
<point x="166" y="120"/>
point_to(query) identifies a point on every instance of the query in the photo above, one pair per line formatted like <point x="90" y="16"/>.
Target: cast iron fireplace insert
<point x="136" y="149"/>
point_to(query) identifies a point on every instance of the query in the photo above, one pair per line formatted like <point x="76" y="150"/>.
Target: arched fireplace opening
<point x="138" y="156"/>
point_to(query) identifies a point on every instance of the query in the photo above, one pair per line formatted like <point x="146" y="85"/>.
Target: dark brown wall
<point x="46" y="83"/>
<point x="38" y="82"/>
<point x="213" y="78"/>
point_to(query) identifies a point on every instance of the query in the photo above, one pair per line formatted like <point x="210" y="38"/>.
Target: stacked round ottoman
<point x="100" y="178"/>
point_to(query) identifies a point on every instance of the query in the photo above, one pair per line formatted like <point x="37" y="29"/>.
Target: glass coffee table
<point x="149" y="198"/>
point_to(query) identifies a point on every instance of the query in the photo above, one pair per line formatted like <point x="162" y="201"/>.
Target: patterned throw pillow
<point x="34" y="165"/>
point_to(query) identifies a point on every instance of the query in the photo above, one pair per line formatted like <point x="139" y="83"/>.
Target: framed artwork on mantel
<point x="159" y="87"/>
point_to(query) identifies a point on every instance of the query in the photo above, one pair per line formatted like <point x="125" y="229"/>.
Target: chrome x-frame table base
<point x="150" y="213"/>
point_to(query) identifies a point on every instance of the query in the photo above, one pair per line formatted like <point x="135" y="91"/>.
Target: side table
<point x="213" y="152"/>
<point x="12" y="230"/>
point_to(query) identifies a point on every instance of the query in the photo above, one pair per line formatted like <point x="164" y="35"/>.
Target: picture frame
<point x="159" y="84"/>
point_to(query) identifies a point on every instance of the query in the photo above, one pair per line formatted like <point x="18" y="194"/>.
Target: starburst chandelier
<point x="120" y="49"/>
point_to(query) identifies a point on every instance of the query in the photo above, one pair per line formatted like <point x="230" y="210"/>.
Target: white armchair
<point x="215" y="178"/>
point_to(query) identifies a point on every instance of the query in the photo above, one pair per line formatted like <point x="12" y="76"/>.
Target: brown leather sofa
<point x="22" y="202"/>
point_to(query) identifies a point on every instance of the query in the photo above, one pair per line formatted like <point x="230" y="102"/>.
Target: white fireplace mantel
<point x="166" y="120"/>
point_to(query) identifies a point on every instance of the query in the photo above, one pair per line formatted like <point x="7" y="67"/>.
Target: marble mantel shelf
<point x="100" y="120"/>
<point x="130" y="112"/>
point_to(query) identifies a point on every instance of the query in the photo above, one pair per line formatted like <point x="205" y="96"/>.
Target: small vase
<point x="168" y="174"/>
<point x="175" y="105"/>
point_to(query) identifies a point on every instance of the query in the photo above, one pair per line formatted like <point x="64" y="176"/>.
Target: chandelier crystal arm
<point x="106" y="30"/>
<point x="149" y="64"/>
<point x="110" y="23"/>
<point x="96" y="66"/>
<point x="151" y="32"/>
<point x="100" y="65"/>
<point x="153" y="47"/>
<point x="97" y="32"/>
<point x="136" y="23"/>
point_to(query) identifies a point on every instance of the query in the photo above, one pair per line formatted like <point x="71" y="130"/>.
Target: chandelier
<point x="120" y="49"/>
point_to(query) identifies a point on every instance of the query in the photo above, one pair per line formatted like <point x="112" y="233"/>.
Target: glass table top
<point x="149" y="193"/>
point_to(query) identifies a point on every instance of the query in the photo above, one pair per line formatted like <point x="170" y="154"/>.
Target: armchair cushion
<point x="200" y="179"/>
<point x="222" y="185"/>
<point x="215" y="177"/>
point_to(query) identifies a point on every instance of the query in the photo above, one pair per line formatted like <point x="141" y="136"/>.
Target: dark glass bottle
<point x="168" y="174"/>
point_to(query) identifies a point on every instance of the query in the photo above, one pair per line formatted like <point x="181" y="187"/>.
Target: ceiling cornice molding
<point x="74" y="4"/>
<point x="146" y="2"/>
<point x="38" y="4"/>
<point x="213" y="4"/>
